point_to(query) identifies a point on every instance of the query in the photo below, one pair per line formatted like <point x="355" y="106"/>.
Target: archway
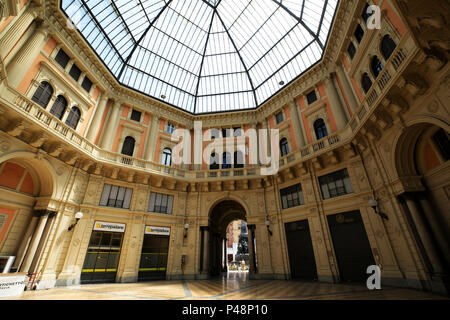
<point x="221" y="215"/>
<point x="421" y="162"/>
<point x="22" y="181"/>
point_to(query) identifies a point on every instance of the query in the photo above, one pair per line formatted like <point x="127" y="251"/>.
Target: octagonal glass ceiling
<point x="205" y="55"/>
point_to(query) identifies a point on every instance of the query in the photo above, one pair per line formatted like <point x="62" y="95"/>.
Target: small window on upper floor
<point x="366" y="82"/>
<point x="284" y="147"/>
<point x="170" y="128"/>
<point x="351" y="50"/>
<point x="279" y="117"/>
<point x="366" y="15"/>
<point x="359" y="33"/>
<point x="214" y="134"/>
<point x="387" y="47"/>
<point x="62" y="58"/>
<point x="311" y="97"/>
<point x="86" y="84"/>
<point x="237" y="132"/>
<point x="167" y="157"/>
<point x="226" y="133"/>
<point x="75" y="72"/>
<point x="136" y="115"/>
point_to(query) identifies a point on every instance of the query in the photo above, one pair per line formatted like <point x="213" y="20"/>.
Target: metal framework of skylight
<point x="205" y="56"/>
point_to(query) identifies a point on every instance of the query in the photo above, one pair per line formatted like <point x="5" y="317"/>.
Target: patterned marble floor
<point x="233" y="288"/>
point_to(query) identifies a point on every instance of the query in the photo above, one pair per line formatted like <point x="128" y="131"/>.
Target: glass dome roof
<point x="205" y="55"/>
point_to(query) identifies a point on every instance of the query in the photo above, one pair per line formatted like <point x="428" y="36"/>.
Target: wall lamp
<point x="374" y="204"/>
<point x="268" y="226"/>
<point x="78" y="216"/>
<point x="186" y="227"/>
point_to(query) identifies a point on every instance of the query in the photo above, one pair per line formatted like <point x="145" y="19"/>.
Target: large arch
<point x="41" y="169"/>
<point x="221" y="214"/>
<point x="420" y="168"/>
<point x="27" y="184"/>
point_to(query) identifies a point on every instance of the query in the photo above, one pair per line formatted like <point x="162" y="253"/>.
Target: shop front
<point x="103" y="253"/>
<point x="155" y="249"/>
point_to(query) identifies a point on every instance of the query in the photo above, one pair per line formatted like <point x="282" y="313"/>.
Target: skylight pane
<point x="205" y="55"/>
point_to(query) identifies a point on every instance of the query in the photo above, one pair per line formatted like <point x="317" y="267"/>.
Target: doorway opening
<point x="237" y="256"/>
<point x="228" y="220"/>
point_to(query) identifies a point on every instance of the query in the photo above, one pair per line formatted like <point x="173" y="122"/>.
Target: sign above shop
<point x="162" y="231"/>
<point x="109" y="226"/>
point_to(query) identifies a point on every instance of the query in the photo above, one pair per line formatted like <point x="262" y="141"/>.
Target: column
<point x="25" y="242"/>
<point x="435" y="227"/>
<point x="424" y="235"/>
<point x="151" y="139"/>
<point x="293" y="107"/>
<point x="351" y="98"/>
<point x="42" y="241"/>
<point x="251" y="249"/>
<point x="97" y="118"/>
<point x="15" y="32"/>
<point x="205" y="250"/>
<point x="110" y="126"/>
<point x="22" y="61"/>
<point x="335" y="103"/>
<point x="34" y="242"/>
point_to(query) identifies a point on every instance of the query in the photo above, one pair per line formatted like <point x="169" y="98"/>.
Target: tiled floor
<point x="233" y="288"/>
<point x="226" y="289"/>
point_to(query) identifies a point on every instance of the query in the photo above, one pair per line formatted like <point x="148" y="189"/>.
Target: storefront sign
<point x="162" y="231"/>
<point x="109" y="226"/>
<point x="12" y="284"/>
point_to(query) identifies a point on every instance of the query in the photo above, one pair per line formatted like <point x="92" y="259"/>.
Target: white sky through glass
<point x="205" y="55"/>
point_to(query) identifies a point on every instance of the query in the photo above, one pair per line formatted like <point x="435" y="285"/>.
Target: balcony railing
<point x="35" y="113"/>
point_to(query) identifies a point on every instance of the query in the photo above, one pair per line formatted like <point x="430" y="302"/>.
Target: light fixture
<point x="186" y="227"/>
<point x="268" y="226"/>
<point x="78" y="216"/>
<point x="374" y="204"/>
<point x="163" y="96"/>
<point x="281" y="83"/>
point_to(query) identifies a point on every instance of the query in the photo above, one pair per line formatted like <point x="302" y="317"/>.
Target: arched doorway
<point x="421" y="162"/>
<point x="24" y="226"/>
<point x="221" y="215"/>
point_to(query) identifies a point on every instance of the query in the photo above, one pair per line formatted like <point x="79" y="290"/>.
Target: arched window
<point x="359" y="33"/>
<point x="226" y="164"/>
<point x="59" y="107"/>
<point x="284" y="147"/>
<point x="376" y="66"/>
<point x="73" y="117"/>
<point x="238" y="159"/>
<point x="128" y="146"/>
<point x="320" y="129"/>
<point x="387" y="46"/>
<point x="43" y="94"/>
<point x="214" y="161"/>
<point x="366" y="82"/>
<point x="167" y="157"/>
